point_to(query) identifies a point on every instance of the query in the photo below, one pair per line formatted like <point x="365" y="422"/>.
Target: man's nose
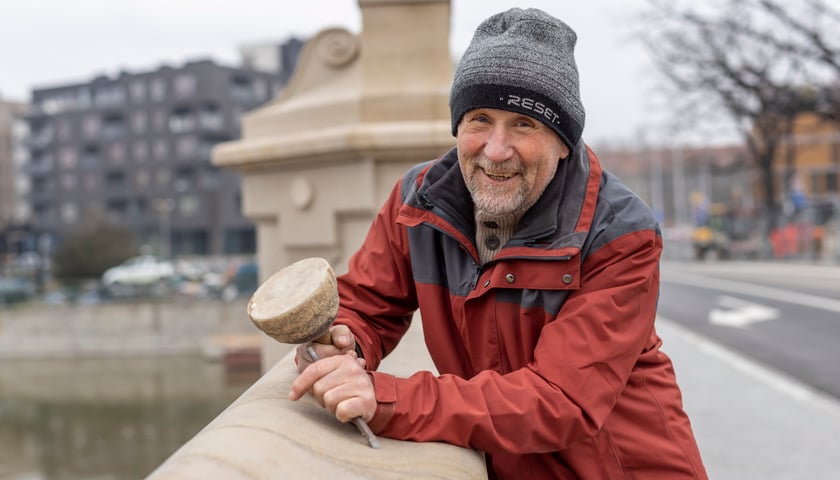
<point x="498" y="147"/>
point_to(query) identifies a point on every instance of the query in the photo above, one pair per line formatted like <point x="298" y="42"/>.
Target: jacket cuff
<point x="385" y="389"/>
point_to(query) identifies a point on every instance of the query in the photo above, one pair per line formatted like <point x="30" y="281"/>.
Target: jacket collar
<point x="559" y="220"/>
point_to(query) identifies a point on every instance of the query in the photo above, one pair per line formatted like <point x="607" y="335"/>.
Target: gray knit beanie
<point x="522" y="61"/>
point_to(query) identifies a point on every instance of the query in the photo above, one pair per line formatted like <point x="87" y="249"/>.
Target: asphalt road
<point x="783" y="315"/>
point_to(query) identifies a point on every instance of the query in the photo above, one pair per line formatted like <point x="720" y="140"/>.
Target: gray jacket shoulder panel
<point x="619" y="212"/>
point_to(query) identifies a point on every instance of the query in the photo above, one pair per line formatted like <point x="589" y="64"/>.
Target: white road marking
<point x="739" y="313"/>
<point x="744" y="288"/>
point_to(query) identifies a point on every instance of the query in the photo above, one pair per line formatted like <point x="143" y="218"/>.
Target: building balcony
<point x="40" y="195"/>
<point x="211" y="122"/>
<point x="38" y="168"/>
<point x="39" y="142"/>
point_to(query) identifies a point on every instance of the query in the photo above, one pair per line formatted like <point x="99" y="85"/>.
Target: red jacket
<point x="548" y="357"/>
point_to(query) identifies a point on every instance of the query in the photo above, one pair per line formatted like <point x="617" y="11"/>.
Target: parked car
<point x="13" y="290"/>
<point x="138" y="274"/>
<point x="241" y="281"/>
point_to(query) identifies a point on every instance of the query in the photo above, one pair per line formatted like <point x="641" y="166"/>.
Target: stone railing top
<point x="262" y="435"/>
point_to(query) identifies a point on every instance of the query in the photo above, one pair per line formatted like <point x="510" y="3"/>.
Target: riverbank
<point x="147" y="328"/>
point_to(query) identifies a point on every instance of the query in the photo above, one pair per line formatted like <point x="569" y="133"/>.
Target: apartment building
<point x="13" y="212"/>
<point x="9" y="173"/>
<point x="135" y="149"/>
<point x="808" y="161"/>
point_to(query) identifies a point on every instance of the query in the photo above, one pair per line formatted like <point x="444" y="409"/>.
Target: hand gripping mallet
<point x="298" y="304"/>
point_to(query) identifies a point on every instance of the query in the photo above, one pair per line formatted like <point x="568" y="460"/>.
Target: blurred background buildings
<point x="134" y="150"/>
<point x="13" y="182"/>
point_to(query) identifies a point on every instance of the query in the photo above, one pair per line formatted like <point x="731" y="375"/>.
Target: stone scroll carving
<point x="336" y="47"/>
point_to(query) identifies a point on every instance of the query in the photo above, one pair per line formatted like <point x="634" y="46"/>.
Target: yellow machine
<point x="711" y="239"/>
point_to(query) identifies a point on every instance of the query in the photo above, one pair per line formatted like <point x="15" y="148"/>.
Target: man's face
<point x="507" y="159"/>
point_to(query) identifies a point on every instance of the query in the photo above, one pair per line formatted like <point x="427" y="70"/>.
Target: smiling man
<point x="536" y="274"/>
<point x="507" y="160"/>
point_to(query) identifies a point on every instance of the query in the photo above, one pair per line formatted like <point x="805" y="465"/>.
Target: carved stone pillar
<point x="318" y="161"/>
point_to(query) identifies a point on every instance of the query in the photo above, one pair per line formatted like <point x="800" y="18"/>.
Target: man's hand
<point x="343" y="342"/>
<point x="340" y="384"/>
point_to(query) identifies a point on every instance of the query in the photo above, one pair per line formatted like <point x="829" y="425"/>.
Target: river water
<point x="105" y="419"/>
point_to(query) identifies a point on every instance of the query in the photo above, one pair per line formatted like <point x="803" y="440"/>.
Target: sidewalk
<point x="750" y="421"/>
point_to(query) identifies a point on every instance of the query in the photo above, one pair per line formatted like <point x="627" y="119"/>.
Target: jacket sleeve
<point x="377" y="295"/>
<point x="582" y="362"/>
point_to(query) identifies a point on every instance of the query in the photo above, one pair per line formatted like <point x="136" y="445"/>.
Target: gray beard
<point x="486" y="200"/>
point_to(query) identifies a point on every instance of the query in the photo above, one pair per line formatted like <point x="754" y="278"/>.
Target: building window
<point x="115" y="179"/>
<point x="260" y="90"/>
<point x="190" y="242"/>
<point x="43" y="213"/>
<point x="58" y="103"/>
<point x="159" y="120"/>
<point x="210" y="118"/>
<point x="84" y="100"/>
<point x="90" y="182"/>
<point x="41" y="137"/>
<point x="111" y="96"/>
<point x="65" y="130"/>
<point x="184" y="179"/>
<point x="40" y="185"/>
<point x="138" y="122"/>
<point x="185" y="85"/>
<point x="113" y="127"/>
<point x="161" y="149"/>
<point x="141" y="151"/>
<point x="138" y="91"/>
<point x="236" y="113"/>
<point x="89" y="158"/>
<point x="158" y="90"/>
<point x="188" y="206"/>
<point x="181" y="121"/>
<point x="69" y="182"/>
<point x="91" y="126"/>
<point x="40" y="165"/>
<point x="241" y="90"/>
<point x="68" y="158"/>
<point x="240" y="241"/>
<point x="136" y="208"/>
<point x="141" y="179"/>
<point x="116" y="153"/>
<point x="163" y="176"/>
<point x="831" y="184"/>
<point x="186" y="147"/>
<point x="69" y="213"/>
<point x="116" y="210"/>
<point x="211" y="178"/>
<point x="204" y="150"/>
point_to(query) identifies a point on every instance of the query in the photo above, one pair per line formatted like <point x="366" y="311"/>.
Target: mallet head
<point x="298" y="304"/>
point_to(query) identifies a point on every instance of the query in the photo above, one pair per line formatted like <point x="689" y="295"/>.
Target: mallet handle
<point x="359" y="422"/>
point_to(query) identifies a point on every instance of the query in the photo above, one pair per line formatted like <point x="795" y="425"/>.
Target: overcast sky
<point x="53" y="42"/>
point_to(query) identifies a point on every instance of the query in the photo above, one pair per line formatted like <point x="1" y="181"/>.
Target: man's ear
<point x="568" y="153"/>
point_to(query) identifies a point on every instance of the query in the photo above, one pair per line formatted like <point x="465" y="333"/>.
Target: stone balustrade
<point x="262" y="435"/>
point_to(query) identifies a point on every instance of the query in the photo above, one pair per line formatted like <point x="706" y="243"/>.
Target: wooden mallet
<point x="298" y="304"/>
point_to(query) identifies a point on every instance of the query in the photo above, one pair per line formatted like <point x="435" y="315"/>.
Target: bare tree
<point x="808" y="37"/>
<point x="89" y="249"/>
<point x="755" y="63"/>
